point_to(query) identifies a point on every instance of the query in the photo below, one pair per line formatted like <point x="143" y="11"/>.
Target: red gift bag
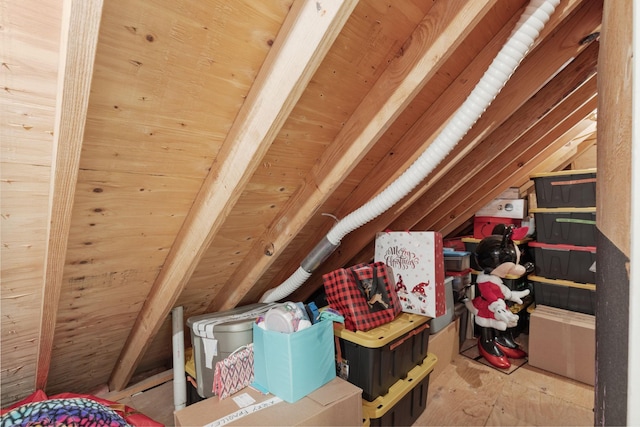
<point x="365" y="295"/>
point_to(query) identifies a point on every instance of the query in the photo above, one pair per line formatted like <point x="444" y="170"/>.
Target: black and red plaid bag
<point x="364" y="294"/>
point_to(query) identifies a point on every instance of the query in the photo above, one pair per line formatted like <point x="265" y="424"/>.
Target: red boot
<point x="506" y="343"/>
<point x="490" y="351"/>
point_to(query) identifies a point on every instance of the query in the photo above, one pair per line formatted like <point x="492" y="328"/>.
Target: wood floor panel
<point x="555" y="385"/>
<point x="465" y="393"/>
<point x="462" y="395"/>
<point x="519" y="404"/>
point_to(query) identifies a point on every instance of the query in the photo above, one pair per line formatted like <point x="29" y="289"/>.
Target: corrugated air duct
<point x="532" y="21"/>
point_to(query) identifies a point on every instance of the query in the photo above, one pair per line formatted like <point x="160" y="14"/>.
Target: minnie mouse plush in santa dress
<point x="498" y="257"/>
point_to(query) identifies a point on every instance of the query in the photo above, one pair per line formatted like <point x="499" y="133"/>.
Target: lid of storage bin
<point x="384" y="334"/>
<point x="457" y="273"/>
<point x="563" y="210"/>
<point x="561" y="282"/>
<point x="476" y="240"/>
<point x="237" y="319"/>
<point x="564" y="172"/>
<point x="562" y="247"/>
<point x="456" y="253"/>
<point x="189" y="363"/>
<point x="508" y="276"/>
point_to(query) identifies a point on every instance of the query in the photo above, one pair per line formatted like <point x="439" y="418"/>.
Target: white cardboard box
<point x="505" y="208"/>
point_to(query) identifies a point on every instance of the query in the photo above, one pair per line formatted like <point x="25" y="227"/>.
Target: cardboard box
<point x="505" y="208"/>
<point x="510" y="193"/>
<point x="337" y="403"/>
<point x="444" y="345"/>
<point x="563" y="342"/>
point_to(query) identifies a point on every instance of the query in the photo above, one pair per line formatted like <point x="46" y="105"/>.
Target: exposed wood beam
<point x="146" y="384"/>
<point x="442" y="30"/>
<point x="617" y="227"/>
<point x="307" y="34"/>
<point x="78" y="41"/>
<point x="573" y="135"/>
<point x="512" y="165"/>
<point x="566" y="154"/>
<point x="549" y="106"/>
<point x="524" y="156"/>
<point x="534" y="72"/>
<point x="427" y="127"/>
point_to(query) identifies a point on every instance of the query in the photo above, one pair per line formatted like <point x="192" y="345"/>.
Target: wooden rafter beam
<point x="78" y="41"/>
<point x="433" y="41"/>
<point x="512" y="165"/>
<point x="560" y="97"/>
<point x="566" y="154"/>
<point x="523" y="158"/>
<point x="536" y="70"/>
<point x="307" y="34"/>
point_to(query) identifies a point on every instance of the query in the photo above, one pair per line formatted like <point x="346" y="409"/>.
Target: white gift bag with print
<point x="417" y="261"/>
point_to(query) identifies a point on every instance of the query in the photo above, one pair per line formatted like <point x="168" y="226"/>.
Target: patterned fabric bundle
<point x="63" y="412"/>
<point x="364" y="294"/>
<point x="234" y="372"/>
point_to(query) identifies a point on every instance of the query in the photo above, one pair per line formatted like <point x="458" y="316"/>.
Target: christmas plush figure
<point x="498" y="257"/>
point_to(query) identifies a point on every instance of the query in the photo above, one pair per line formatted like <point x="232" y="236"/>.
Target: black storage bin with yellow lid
<point x="566" y="226"/>
<point x="406" y="400"/>
<point x="375" y="359"/>
<point x="565" y="189"/>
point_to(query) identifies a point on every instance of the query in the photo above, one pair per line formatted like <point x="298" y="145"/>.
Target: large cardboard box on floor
<point x="563" y="342"/>
<point x="337" y="403"/>
<point x="445" y="344"/>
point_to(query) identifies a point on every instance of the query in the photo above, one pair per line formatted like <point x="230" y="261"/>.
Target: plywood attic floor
<point x="465" y="393"/>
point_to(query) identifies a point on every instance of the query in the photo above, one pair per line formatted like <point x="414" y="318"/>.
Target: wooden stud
<point x="306" y="36"/>
<point x="80" y="25"/>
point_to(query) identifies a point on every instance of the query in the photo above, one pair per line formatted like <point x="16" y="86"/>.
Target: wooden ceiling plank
<point x="442" y="30"/>
<point x="511" y="166"/>
<point x="524" y="156"/>
<point x="520" y="176"/>
<point x="79" y="38"/>
<point x="547" y="107"/>
<point x="418" y="138"/>
<point x="534" y="72"/>
<point x="563" y="156"/>
<point x="512" y="173"/>
<point x="305" y="38"/>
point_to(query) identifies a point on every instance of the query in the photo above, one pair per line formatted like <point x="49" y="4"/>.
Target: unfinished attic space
<point x="210" y="155"/>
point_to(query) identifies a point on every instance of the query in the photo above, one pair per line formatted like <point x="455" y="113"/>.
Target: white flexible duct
<point x="532" y="21"/>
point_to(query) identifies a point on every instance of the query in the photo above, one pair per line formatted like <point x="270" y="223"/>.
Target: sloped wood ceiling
<point x="203" y="148"/>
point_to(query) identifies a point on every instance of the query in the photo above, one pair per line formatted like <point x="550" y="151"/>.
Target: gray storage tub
<point x="216" y="335"/>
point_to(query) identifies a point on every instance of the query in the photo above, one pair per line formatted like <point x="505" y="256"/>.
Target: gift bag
<point x="364" y="294"/>
<point x="292" y="365"/>
<point x="417" y="260"/>
<point x="234" y="372"/>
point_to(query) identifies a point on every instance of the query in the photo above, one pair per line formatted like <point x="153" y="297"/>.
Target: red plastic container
<point x="483" y="225"/>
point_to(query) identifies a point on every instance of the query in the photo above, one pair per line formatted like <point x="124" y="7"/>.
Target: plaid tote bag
<point x="234" y="372"/>
<point x="364" y="294"/>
